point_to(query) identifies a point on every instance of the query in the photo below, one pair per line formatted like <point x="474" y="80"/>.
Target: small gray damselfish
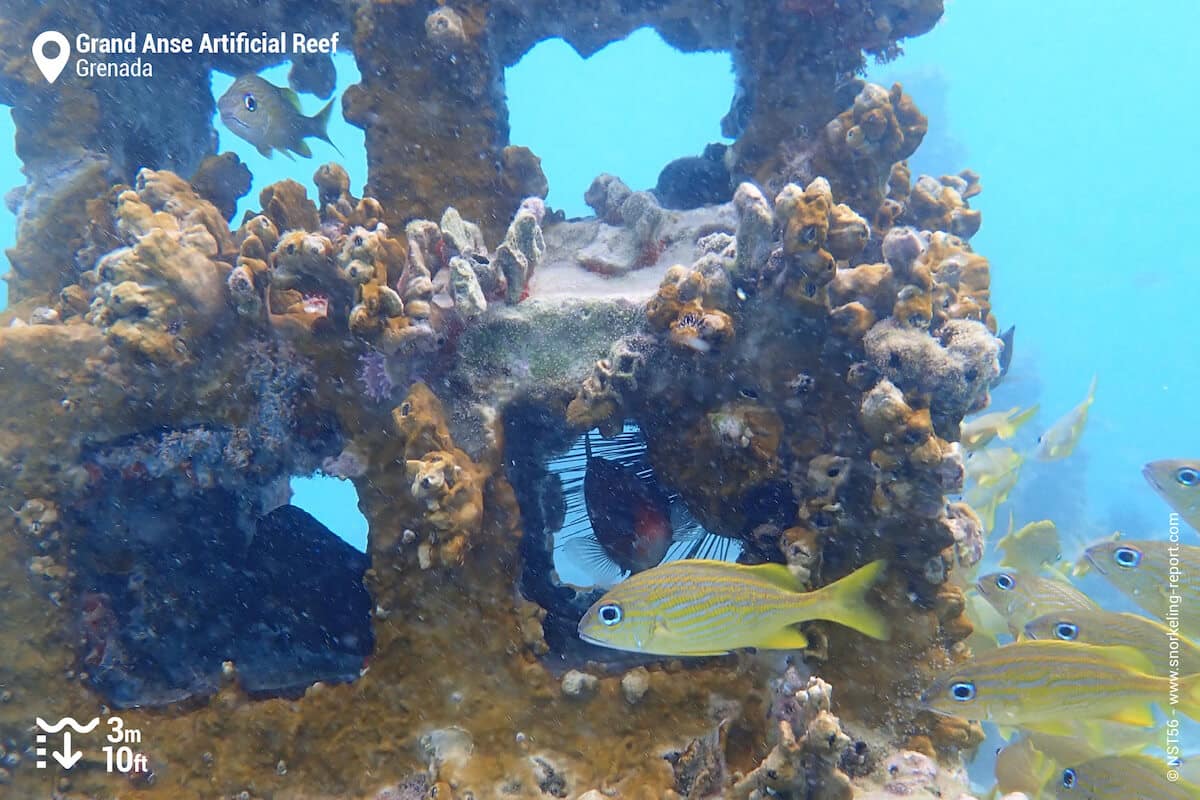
<point x="269" y="117"/>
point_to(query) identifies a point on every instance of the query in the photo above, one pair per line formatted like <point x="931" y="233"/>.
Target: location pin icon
<point x="51" y="66"/>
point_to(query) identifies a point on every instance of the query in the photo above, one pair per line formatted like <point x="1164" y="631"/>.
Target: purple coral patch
<point x="373" y="376"/>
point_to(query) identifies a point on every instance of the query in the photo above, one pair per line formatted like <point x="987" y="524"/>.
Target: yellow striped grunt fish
<point x="1151" y="573"/>
<point x="1048" y="686"/>
<point x="1063" y="436"/>
<point x="977" y="432"/>
<point x="1023" y="598"/>
<point x="1177" y="480"/>
<point x="700" y="607"/>
<point x="990" y="467"/>
<point x="987" y="622"/>
<point x="1030" y="548"/>
<point x="1031" y="760"/>
<point x="1122" y="778"/>
<point x="1109" y="629"/>
<point x="984" y="502"/>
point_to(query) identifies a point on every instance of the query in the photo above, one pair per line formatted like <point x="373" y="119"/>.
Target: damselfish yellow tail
<point x="845" y="602"/>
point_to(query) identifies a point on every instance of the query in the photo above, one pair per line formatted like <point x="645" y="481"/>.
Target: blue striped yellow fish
<point x="1177" y="480"/>
<point x="978" y="432"/>
<point x="701" y="607"/>
<point x="1032" y="760"/>
<point x="1063" y="436"/>
<point x="1122" y="778"/>
<point x="1151" y="573"/>
<point x="1049" y="685"/>
<point x="1023" y="598"/>
<point x="1030" y="548"/>
<point x="1112" y="629"/>
<point x="990" y="467"/>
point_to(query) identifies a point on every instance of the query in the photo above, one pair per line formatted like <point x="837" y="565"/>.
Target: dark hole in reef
<point x="169" y="588"/>
<point x="771" y="503"/>
<point x="538" y="444"/>
<point x="822" y="519"/>
<point x="533" y="433"/>
<point x="188" y="559"/>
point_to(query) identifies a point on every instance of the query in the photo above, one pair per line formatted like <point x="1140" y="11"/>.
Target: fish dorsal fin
<point x="776" y="575"/>
<point x="291" y="97"/>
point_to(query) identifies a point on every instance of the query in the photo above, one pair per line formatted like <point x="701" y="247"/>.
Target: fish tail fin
<point x="684" y="526"/>
<point x="1189" y="703"/>
<point x="587" y="551"/>
<point x="1009" y="429"/>
<point x="845" y="601"/>
<point x="320" y="124"/>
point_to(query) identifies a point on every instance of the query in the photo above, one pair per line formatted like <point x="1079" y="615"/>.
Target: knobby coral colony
<point x="799" y="376"/>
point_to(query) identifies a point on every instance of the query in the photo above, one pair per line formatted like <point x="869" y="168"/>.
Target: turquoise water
<point x="627" y="110"/>
<point x="1087" y="175"/>
<point x="1078" y="117"/>
<point x="1067" y="111"/>
<point x="266" y="171"/>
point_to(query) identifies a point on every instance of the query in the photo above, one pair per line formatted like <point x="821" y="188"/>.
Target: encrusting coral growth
<point x="798" y="361"/>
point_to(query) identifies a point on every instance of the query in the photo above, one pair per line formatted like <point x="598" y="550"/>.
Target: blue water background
<point x="1080" y="118"/>
<point x="1076" y="115"/>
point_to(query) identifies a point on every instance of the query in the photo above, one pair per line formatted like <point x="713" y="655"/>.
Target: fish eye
<point x="1005" y="582"/>
<point x="1067" y="631"/>
<point x="1127" y="557"/>
<point x="610" y="614"/>
<point x="963" y="691"/>
<point x="249" y="102"/>
<point x="1187" y="476"/>
<point x="1069" y="778"/>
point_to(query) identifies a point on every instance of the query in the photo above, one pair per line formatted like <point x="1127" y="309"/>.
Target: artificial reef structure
<point x="798" y="356"/>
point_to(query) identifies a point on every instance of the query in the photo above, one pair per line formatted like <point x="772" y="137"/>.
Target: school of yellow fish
<point x="1093" y="698"/>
